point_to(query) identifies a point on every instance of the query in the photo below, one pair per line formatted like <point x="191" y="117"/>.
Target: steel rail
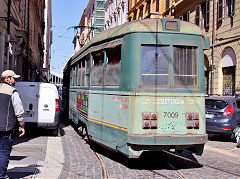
<point x="103" y="166"/>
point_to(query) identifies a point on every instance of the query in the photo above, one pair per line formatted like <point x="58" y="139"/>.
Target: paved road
<point x="70" y="156"/>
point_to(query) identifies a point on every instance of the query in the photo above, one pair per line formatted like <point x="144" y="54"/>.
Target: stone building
<point x="47" y="40"/>
<point x="219" y="20"/>
<point x="21" y="37"/>
<point x="140" y="9"/>
<point x="115" y="13"/>
<point x="91" y="23"/>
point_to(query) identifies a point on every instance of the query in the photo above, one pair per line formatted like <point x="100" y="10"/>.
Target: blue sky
<point x="65" y="14"/>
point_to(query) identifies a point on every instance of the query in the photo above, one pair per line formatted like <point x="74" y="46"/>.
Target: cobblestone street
<point x="81" y="162"/>
<point x="70" y="156"/>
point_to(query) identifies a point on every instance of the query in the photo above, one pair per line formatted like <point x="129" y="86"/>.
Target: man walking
<point x="11" y="111"/>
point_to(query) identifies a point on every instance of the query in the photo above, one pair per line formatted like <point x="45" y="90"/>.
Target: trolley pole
<point x="213" y="46"/>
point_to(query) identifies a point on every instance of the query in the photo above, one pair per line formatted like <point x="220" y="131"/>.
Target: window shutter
<point x="207" y="16"/>
<point x="220" y="10"/>
<point x="233" y="8"/>
<point x="197" y="18"/>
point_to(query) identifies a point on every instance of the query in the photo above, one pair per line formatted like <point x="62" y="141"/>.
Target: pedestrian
<point x="11" y="114"/>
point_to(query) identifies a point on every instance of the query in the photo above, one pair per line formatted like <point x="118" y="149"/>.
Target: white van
<point x="40" y="103"/>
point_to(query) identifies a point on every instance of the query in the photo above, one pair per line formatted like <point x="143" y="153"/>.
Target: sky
<point x="65" y="14"/>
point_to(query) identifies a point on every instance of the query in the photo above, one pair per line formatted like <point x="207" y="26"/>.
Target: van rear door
<point x="47" y="104"/>
<point x="29" y="94"/>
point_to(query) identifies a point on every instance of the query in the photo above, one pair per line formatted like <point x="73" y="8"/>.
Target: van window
<point x="113" y="66"/>
<point x="97" y="68"/>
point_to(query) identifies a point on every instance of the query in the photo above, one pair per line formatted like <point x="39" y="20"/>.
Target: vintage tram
<point x="140" y="87"/>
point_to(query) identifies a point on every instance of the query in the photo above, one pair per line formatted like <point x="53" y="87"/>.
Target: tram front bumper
<point x="141" y="142"/>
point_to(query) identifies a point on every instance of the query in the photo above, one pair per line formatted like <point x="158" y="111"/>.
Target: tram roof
<point x="146" y="25"/>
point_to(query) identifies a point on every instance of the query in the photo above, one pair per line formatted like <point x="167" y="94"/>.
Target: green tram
<point x="140" y="87"/>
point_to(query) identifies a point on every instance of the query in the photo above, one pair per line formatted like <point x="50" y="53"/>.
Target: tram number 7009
<point x="170" y="114"/>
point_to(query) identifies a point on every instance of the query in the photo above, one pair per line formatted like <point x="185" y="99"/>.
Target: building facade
<point x="21" y="37"/>
<point x="140" y="9"/>
<point x="47" y="40"/>
<point x="91" y="23"/>
<point x="219" y="20"/>
<point x="115" y="13"/>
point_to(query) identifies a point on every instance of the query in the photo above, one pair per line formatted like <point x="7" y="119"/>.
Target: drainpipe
<point x="8" y="16"/>
<point x="213" y="46"/>
<point x="8" y="31"/>
<point x="27" y="60"/>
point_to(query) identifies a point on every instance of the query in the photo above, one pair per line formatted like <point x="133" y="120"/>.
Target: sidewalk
<point x="40" y="157"/>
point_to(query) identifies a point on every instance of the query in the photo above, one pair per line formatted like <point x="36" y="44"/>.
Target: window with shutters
<point x="197" y="18"/>
<point x="220" y="10"/>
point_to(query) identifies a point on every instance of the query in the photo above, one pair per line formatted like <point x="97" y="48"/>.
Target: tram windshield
<point x="185" y="66"/>
<point x="155" y="65"/>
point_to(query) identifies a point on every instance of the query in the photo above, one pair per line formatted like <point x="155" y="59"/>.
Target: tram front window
<point x="155" y="65"/>
<point x="185" y="66"/>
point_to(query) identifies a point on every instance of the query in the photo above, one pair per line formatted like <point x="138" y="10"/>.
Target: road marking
<point x="222" y="151"/>
<point x="233" y="149"/>
<point x="52" y="165"/>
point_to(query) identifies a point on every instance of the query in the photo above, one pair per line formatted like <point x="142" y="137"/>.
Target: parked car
<point x="41" y="104"/>
<point x="223" y="115"/>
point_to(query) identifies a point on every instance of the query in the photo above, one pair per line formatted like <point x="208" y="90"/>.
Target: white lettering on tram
<point x="169" y="101"/>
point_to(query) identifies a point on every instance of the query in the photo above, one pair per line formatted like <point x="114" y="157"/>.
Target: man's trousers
<point x="6" y="143"/>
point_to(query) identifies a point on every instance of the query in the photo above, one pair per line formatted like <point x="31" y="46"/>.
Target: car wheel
<point x="236" y="133"/>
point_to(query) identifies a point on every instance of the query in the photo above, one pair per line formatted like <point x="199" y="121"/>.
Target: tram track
<point x="171" y="165"/>
<point x="179" y="174"/>
<point x="104" y="174"/>
<point x="200" y="164"/>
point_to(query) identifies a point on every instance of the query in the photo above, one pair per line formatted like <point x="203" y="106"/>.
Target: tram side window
<point x="185" y="66"/>
<point x="76" y="75"/>
<point x="82" y="73"/>
<point x="113" y="66"/>
<point x="87" y="75"/>
<point x="79" y="74"/>
<point x="71" y="77"/>
<point x="97" y="68"/>
<point x="155" y="65"/>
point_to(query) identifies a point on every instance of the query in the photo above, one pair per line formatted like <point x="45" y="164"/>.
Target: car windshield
<point x="215" y="104"/>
